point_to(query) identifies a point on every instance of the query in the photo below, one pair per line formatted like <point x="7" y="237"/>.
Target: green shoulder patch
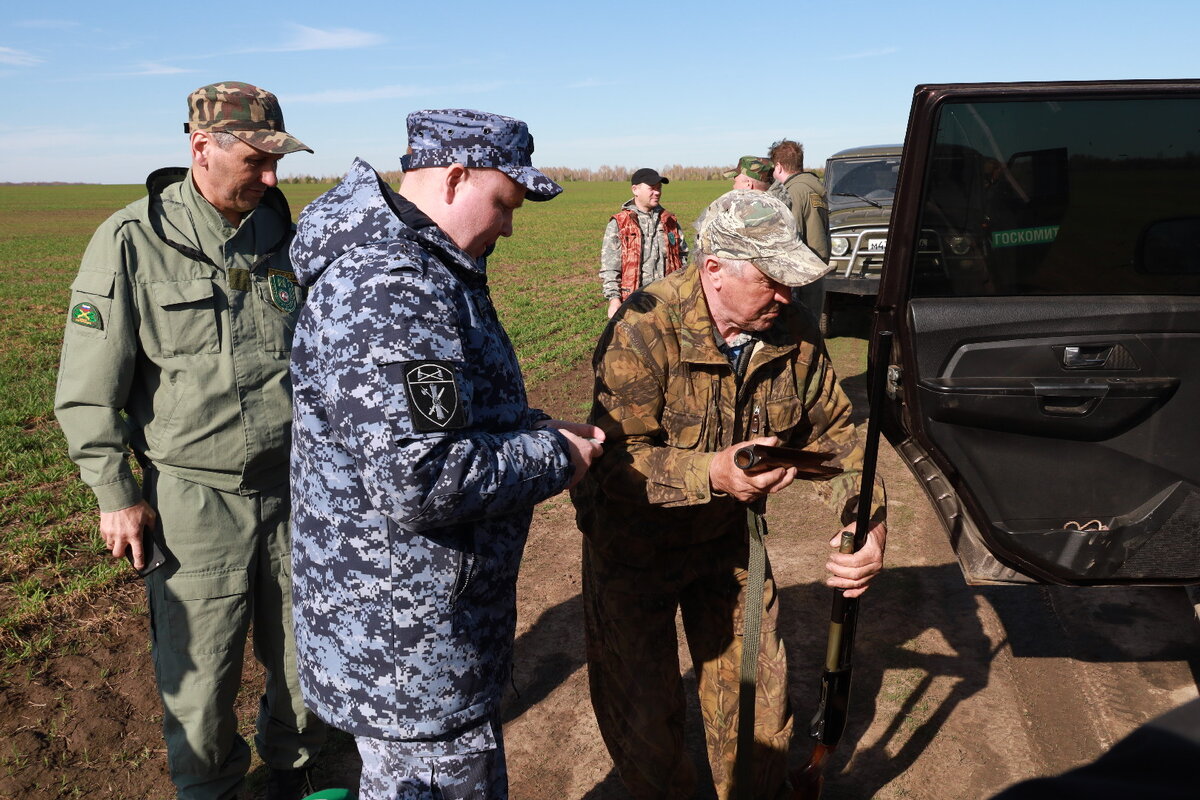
<point x="87" y="315"/>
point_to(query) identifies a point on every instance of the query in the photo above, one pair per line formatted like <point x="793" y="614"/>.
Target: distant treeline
<point x="567" y="174"/>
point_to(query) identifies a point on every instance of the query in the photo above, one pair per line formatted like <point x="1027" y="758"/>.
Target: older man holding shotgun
<point x="691" y="372"/>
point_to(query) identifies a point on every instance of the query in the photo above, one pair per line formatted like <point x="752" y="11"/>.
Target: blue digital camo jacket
<point x="415" y="469"/>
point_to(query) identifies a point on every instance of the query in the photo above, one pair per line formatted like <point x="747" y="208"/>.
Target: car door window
<point x="1056" y="196"/>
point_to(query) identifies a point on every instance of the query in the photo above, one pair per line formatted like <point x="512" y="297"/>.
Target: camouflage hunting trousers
<point x="634" y="670"/>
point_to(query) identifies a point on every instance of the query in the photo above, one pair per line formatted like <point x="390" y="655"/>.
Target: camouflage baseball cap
<point x="755" y="167"/>
<point x="752" y="226"/>
<point x="476" y="139"/>
<point x="249" y="113"/>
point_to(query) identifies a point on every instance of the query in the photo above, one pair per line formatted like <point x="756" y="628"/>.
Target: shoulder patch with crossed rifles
<point x="433" y="396"/>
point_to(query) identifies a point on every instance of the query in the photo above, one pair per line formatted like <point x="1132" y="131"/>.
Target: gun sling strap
<point x="756" y="526"/>
<point x="751" y="638"/>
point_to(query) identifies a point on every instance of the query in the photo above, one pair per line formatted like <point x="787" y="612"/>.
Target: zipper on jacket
<point x="718" y="433"/>
<point x="466" y="571"/>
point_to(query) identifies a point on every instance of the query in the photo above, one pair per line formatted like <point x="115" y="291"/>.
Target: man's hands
<point x="853" y="571"/>
<point x="613" y="304"/>
<point x="585" y="443"/>
<point x="725" y="476"/>
<point x="123" y="529"/>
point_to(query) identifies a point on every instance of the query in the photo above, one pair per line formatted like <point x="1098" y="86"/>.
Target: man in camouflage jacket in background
<point x="689" y="370"/>
<point x="417" y="461"/>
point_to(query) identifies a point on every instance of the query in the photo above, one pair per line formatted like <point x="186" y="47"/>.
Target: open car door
<point x="1044" y="383"/>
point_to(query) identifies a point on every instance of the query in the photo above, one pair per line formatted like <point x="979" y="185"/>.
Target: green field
<point x="544" y="283"/>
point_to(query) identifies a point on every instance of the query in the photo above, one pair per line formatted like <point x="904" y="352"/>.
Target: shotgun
<point x="830" y="720"/>
<point x="758" y="457"/>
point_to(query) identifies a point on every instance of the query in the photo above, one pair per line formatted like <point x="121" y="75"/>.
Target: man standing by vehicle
<point x="804" y="194"/>
<point x="176" y="347"/>
<point x="751" y="172"/>
<point x="417" y="460"/>
<point x="695" y="367"/>
<point x="642" y="242"/>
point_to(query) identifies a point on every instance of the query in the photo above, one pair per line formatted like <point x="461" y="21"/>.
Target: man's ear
<point x="712" y="268"/>
<point x="452" y="182"/>
<point x="200" y="142"/>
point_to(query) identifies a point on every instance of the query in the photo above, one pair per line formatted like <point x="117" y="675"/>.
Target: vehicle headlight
<point x="839" y="245"/>
<point x="959" y="245"/>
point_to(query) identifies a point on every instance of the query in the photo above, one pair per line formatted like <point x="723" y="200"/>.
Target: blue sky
<point x="96" y="92"/>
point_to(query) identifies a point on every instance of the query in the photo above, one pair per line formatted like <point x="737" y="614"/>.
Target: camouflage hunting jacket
<point x="177" y="343"/>
<point x="415" y="470"/>
<point x="661" y="248"/>
<point x="667" y="399"/>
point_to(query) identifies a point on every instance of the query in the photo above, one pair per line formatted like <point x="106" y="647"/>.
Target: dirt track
<point x="959" y="691"/>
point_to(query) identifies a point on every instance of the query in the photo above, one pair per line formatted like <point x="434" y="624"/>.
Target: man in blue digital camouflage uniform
<point x="417" y="461"/>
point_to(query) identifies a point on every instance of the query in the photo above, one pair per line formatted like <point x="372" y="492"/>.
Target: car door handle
<point x="1086" y="409"/>
<point x="1071" y="400"/>
<point x="1081" y="357"/>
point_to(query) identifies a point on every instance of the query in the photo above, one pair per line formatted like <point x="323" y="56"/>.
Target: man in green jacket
<point x="804" y="193"/>
<point x="689" y="370"/>
<point x="176" y="348"/>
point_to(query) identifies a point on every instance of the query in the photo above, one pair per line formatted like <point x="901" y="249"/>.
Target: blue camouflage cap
<point x="476" y="139"/>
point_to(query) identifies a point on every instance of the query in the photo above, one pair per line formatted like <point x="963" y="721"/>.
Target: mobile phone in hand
<point x="152" y="555"/>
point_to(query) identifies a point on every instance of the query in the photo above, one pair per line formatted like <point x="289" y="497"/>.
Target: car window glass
<point x="849" y="182"/>
<point x="1062" y="197"/>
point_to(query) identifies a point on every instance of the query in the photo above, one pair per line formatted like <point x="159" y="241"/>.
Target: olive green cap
<point x="745" y="225"/>
<point x="248" y="112"/>
<point x="756" y="167"/>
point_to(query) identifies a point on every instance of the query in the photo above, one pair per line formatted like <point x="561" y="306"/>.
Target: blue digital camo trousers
<point x="473" y="769"/>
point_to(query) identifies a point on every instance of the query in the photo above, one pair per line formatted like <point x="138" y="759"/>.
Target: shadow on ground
<point x="920" y="626"/>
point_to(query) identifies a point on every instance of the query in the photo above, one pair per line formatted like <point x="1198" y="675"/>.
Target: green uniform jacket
<point x="177" y="344"/>
<point x="667" y="400"/>
<point x="805" y="196"/>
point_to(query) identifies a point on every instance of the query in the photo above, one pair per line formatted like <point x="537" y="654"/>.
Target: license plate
<point x="876" y="245"/>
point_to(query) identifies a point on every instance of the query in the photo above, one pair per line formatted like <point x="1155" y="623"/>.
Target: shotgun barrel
<point x="813" y="466"/>
<point x="829" y="723"/>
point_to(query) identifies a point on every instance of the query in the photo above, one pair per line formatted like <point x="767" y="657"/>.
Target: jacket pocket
<point x="276" y="326"/>
<point x="683" y="430"/>
<point x="186" y="314"/>
<point x="785" y="417"/>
